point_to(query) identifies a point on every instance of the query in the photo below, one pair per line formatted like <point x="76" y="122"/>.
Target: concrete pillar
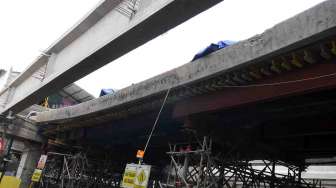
<point x="21" y="164"/>
<point x="28" y="162"/>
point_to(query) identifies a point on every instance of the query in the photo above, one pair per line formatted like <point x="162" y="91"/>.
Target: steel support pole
<point x="272" y="185"/>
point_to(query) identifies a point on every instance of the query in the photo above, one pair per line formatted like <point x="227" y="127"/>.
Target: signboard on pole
<point x="40" y="166"/>
<point x="36" y="175"/>
<point x="42" y="162"/>
<point x="136" y="176"/>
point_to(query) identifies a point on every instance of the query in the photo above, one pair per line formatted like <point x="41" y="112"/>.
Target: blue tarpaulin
<point x="212" y="48"/>
<point x="107" y="91"/>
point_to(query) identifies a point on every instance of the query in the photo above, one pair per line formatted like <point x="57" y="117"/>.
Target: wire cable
<point x="277" y="83"/>
<point x="156" y="120"/>
<point x="241" y="86"/>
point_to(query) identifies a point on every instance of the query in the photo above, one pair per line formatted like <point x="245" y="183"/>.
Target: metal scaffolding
<point x="196" y="166"/>
<point x="77" y="171"/>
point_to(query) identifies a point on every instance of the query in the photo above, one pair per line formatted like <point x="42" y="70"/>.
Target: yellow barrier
<point x="10" y="182"/>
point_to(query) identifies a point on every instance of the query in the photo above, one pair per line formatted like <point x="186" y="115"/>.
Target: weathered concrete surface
<point x="29" y="159"/>
<point x="308" y="27"/>
<point x="103" y="36"/>
<point x="24" y="129"/>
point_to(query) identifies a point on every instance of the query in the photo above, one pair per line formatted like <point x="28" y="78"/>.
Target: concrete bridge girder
<point x="309" y="27"/>
<point x="109" y="31"/>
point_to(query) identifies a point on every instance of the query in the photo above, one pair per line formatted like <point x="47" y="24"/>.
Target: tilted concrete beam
<point x="306" y="28"/>
<point x="111" y="30"/>
<point x="24" y="130"/>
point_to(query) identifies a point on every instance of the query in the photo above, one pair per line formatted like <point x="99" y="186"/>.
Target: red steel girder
<point x="300" y="81"/>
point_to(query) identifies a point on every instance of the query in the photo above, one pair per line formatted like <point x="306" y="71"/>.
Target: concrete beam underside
<point x="306" y="28"/>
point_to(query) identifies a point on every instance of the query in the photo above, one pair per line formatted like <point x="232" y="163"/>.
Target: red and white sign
<point x="2" y="145"/>
<point x="42" y="162"/>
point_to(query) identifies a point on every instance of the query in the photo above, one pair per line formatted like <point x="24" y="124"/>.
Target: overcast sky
<point x="28" y="27"/>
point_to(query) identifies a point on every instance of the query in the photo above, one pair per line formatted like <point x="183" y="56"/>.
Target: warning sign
<point x="142" y="176"/>
<point x="36" y="175"/>
<point x="129" y="176"/>
<point x="136" y="176"/>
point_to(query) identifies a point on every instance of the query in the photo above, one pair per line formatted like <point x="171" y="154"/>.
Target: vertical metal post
<point x="9" y="148"/>
<point x="299" y="176"/>
<point x="171" y="163"/>
<point x="185" y="167"/>
<point x="273" y="176"/>
<point x="200" y="173"/>
<point x="221" y="175"/>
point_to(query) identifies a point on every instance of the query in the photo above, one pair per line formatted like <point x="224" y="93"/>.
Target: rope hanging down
<point x="156" y="120"/>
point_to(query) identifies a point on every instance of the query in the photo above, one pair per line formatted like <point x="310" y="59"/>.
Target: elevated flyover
<point x="109" y="31"/>
<point x="268" y="98"/>
<point x="277" y="86"/>
<point x="294" y="51"/>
